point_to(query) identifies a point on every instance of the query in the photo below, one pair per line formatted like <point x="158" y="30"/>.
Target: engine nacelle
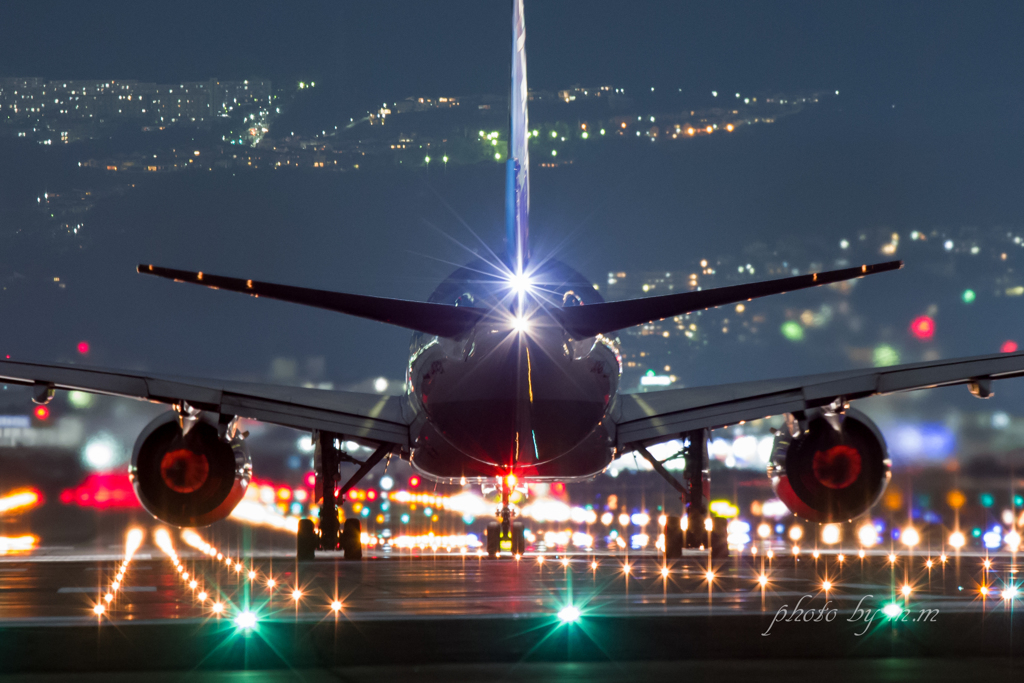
<point x="827" y="474"/>
<point x="188" y="480"/>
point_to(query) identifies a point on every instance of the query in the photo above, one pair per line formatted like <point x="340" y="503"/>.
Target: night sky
<point x="925" y="134"/>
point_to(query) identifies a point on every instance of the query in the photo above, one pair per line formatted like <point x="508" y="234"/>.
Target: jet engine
<point x="189" y="479"/>
<point x="833" y="470"/>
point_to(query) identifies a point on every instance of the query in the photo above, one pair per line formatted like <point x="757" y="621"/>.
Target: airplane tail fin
<point x="517" y="168"/>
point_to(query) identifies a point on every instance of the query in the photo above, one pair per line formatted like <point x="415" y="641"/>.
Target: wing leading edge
<point x="644" y="419"/>
<point x="381" y="419"/>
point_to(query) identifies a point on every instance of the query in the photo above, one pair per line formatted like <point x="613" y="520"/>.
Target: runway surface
<point x="181" y="607"/>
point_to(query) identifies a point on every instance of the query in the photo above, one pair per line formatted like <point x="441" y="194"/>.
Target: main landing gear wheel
<point x="493" y="539"/>
<point x="351" y="541"/>
<point x="673" y="538"/>
<point x="306" y="541"/>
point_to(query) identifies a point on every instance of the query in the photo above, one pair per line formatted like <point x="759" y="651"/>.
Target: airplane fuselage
<point x="530" y="402"/>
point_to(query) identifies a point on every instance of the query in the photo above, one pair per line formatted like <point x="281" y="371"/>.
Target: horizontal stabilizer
<point x="588" y="321"/>
<point x="437" y="319"/>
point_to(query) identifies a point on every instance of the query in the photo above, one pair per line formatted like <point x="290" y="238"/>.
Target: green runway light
<point x="569" y="615"/>
<point x="892" y="610"/>
<point x="884" y="356"/>
<point x="968" y="296"/>
<point x="792" y="331"/>
<point x="987" y="500"/>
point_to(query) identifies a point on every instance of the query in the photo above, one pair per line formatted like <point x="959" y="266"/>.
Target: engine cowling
<point x="827" y="474"/>
<point x="188" y="480"/>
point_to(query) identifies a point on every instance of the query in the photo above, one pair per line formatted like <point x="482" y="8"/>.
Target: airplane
<point x="513" y="378"/>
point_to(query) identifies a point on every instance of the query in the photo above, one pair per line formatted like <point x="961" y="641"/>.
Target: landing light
<point x="520" y="282"/>
<point x="520" y="324"/>
<point x="892" y="610"/>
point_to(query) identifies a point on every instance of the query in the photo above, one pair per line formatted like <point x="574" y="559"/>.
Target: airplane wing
<point x="644" y="419"/>
<point x="372" y="417"/>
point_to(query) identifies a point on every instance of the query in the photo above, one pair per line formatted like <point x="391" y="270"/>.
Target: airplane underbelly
<point x="514" y="407"/>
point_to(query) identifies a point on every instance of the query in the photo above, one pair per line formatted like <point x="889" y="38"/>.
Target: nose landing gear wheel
<point x="518" y="538"/>
<point x="306" y="541"/>
<point x="493" y="539"/>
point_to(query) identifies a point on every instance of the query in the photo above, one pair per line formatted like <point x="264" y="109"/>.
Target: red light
<point x="311" y="479"/>
<point x="414" y="482"/>
<point x="41" y="412"/>
<point x="83" y="347"/>
<point x="1009" y="346"/>
<point x="102" y="491"/>
<point x="923" y="327"/>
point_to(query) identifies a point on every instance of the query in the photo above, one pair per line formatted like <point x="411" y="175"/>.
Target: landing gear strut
<point x="700" y="530"/>
<point x="332" y="536"/>
<point x="505" y="536"/>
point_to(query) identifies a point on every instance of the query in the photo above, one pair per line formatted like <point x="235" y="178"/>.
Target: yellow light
<point x="217" y="607"/>
<point x="565" y="561"/>
<point x="841" y="558"/>
<point x="867" y="535"/>
<point x="816" y="554"/>
<point x="861" y="554"/>
<point x="193" y="584"/>
<point x="983" y="590"/>
<point x="664" y="572"/>
<point x="98" y="609"/>
<point x="238" y="567"/>
<point x="796" y="550"/>
<point x="18" y="500"/>
<point x="942" y="558"/>
<point x="729" y="127"/>
<point x="892" y="558"/>
<point x="336" y="606"/>
<point x="184" y="576"/>
<point x="252" y="575"/>
<point x="202" y="596"/>
<point x="709" y="524"/>
<point x="910" y="537"/>
<point x="593" y="565"/>
<point x="906" y="590"/>
<point x="709" y="576"/>
<point x="763" y="580"/>
<point x="709" y="130"/>
<point x="764" y="530"/>
<point x="771" y="553"/>
<point x="625" y="568"/>
<point x="115" y="585"/>
<point x="296" y="594"/>
<point x="108" y="597"/>
<point x="540" y="559"/>
<point x="511" y="480"/>
<point x="518" y="557"/>
<point x="271" y="583"/>
<point x="796" y="532"/>
<point x="1012" y="540"/>
<point x="987" y="564"/>
<point x="826" y="586"/>
<point x="830" y="534"/>
<point x="928" y="564"/>
<point x="957" y="540"/>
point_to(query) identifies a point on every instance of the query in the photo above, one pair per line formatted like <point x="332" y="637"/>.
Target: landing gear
<point x="701" y="531"/>
<point x="328" y="458"/>
<point x="505" y="536"/>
